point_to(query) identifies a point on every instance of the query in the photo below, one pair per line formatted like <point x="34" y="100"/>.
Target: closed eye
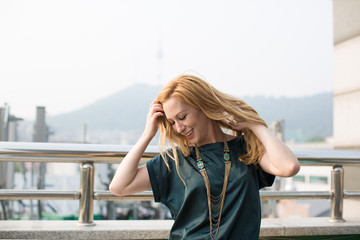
<point x="180" y="119"/>
<point x="183" y="118"/>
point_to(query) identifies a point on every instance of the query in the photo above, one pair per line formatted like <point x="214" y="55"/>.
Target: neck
<point x="215" y="135"/>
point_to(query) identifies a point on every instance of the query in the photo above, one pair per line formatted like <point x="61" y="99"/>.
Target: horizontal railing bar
<point x="10" y="194"/>
<point x="108" y="196"/>
<point x="14" y="194"/>
<point x="351" y="194"/>
<point x="106" y="153"/>
<point x="313" y="162"/>
<point x="67" y="152"/>
<point x="52" y="159"/>
<point x="264" y="195"/>
<point x="267" y="195"/>
<point x="327" y="157"/>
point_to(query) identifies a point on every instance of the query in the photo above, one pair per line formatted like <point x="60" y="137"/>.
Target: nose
<point x="179" y="127"/>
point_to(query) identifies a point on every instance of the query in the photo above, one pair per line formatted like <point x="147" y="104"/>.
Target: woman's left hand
<point x="277" y="159"/>
<point x="239" y="125"/>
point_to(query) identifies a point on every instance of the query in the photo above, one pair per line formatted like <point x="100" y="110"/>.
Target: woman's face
<point x="188" y="121"/>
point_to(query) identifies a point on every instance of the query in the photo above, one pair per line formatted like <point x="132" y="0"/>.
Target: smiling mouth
<point x="188" y="134"/>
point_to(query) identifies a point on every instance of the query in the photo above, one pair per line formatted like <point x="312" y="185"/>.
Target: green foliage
<point x="18" y="167"/>
<point x="316" y="139"/>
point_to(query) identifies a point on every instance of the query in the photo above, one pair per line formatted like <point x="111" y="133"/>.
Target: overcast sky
<point x="65" y="54"/>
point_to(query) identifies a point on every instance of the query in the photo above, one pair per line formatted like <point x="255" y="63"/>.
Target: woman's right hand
<point x="156" y="110"/>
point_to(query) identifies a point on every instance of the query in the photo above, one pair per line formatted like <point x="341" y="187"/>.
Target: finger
<point x="162" y="113"/>
<point x="155" y="104"/>
<point x="157" y="108"/>
<point x="156" y="115"/>
<point x="233" y="126"/>
<point x="236" y="126"/>
<point x="159" y="114"/>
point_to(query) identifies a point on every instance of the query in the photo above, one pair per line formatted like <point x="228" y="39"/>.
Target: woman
<point x="209" y="179"/>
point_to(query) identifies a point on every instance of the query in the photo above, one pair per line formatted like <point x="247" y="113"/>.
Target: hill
<point x="123" y="110"/>
<point x="305" y="117"/>
<point x="124" y="113"/>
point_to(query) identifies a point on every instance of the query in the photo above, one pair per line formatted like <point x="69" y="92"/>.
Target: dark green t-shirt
<point x="188" y="205"/>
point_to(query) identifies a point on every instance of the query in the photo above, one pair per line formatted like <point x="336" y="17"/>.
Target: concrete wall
<point x="346" y="20"/>
<point x="347" y="94"/>
<point x="347" y="91"/>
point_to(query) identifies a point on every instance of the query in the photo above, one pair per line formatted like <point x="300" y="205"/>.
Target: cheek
<point x="202" y="121"/>
<point x="192" y="123"/>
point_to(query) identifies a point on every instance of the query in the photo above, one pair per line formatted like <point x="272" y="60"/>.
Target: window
<point x="299" y="178"/>
<point x="319" y="179"/>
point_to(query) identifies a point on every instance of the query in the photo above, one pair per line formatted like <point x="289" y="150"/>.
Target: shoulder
<point x="164" y="159"/>
<point x="236" y="142"/>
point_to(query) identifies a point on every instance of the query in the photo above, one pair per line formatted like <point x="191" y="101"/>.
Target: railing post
<point x="337" y="188"/>
<point x="86" y="205"/>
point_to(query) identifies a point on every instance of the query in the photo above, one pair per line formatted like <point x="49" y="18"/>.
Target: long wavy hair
<point x="221" y="107"/>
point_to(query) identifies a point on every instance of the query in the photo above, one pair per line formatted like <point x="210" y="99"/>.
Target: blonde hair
<point x="221" y="107"/>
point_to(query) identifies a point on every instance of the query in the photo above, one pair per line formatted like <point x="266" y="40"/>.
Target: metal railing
<point x="88" y="154"/>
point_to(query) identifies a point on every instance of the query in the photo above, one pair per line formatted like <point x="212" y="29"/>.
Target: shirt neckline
<point x="212" y="146"/>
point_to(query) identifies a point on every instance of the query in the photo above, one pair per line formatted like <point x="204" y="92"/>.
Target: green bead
<point x="200" y="164"/>
<point x="226" y="156"/>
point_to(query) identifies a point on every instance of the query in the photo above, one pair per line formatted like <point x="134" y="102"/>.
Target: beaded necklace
<point x="215" y="203"/>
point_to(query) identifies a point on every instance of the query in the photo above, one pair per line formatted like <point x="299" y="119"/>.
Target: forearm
<point x="278" y="158"/>
<point x="129" y="177"/>
<point x="128" y="168"/>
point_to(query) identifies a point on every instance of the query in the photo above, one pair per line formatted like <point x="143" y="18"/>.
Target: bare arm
<point x="277" y="159"/>
<point x="129" y="177"/>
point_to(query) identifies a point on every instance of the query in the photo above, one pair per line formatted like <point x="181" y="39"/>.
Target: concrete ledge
<point x="282" y="227"/>
<point x="159" y="229"/>
<point x="122" y="229"/>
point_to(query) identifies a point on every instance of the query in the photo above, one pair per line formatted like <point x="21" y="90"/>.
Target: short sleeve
<point x="166" y="185"/>
<point x="157" y="173"/>
<point x="265" y="179"/>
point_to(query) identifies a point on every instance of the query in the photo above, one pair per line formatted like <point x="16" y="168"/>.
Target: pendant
<point x="226" y="156"/>
<point x="200" y="165"/>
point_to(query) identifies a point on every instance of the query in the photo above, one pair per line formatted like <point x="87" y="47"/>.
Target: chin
<point x="191" y="142"/>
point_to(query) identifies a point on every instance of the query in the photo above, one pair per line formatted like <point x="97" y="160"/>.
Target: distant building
<point x="346" y="18"/>
<point x="8" y="132"/>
